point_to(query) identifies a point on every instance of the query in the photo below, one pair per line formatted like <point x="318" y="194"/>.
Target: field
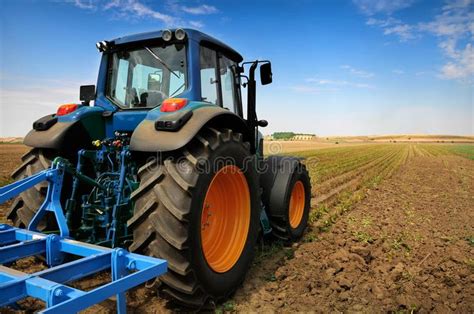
<point x="391" y="229"/>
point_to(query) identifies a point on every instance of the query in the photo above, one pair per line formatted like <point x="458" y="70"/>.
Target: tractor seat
<point x="152" y="98"/>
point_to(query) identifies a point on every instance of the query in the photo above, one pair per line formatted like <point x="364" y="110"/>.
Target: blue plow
<point x="127" y="270"/>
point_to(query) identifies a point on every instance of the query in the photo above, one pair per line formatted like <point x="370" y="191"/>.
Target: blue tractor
<point x="166" y="163"/>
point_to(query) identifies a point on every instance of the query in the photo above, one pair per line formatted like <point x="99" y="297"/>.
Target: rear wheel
<point x="198" y="209"/>
<point x="28" y="202"/>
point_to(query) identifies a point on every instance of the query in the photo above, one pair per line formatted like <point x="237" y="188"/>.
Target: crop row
<point x="340" y="194"/>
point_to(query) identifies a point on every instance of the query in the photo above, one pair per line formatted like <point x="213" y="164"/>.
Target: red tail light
<point x="173" y="104"/>
<point x="66" y="109"/>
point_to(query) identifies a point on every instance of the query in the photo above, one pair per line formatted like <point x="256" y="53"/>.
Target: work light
<point x="166" y="35"/>
<point x="180" y="34"/>
<point x="102" y="45"/>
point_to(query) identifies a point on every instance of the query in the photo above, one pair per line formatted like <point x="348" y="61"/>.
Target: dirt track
<point x="407" y="246"/>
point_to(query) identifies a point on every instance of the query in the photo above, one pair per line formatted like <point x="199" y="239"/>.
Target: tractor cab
<point x="142" y="71"/>
<point x="167" y="70"/>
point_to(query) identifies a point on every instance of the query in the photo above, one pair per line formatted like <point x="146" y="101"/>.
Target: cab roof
<point x="192" y="34"/>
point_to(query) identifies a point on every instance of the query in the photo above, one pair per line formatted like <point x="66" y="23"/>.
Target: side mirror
<point x="262" y="123"/>
<point x="266" y="73"/>
<point x="87" y="93"/>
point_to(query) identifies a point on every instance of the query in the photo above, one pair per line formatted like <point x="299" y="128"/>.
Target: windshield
<point x="144" y="77"/>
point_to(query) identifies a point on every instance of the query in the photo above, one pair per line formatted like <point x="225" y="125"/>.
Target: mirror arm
<point x="251" y="103"/>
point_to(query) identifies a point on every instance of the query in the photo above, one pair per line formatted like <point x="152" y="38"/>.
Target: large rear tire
<point x="199" y="210"/>
<point x="28" y="202"/>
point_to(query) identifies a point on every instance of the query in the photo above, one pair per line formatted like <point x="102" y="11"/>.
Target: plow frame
<point x="127" y="271"/>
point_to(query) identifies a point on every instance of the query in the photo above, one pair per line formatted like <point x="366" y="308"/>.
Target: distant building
<point x="303" y="137"/>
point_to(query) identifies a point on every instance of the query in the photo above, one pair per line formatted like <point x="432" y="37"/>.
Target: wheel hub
<point x="225" y="219"/>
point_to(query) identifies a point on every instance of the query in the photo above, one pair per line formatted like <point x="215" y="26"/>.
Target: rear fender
<point x="146" y="137"/>
<point x="71" y="132"/>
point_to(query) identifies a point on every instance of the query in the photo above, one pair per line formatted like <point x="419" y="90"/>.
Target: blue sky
<point x="340" y="67"/>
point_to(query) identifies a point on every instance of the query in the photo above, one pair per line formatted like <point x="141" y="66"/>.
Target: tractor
<point x="161" y="158"/>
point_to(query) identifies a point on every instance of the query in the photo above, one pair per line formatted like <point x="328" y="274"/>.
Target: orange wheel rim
<point x="297" y="202"/>
<point x="225" y="219"/>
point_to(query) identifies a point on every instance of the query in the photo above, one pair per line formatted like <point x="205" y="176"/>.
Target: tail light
<point x="173" y="104"/>
<point x="66" y="109"/>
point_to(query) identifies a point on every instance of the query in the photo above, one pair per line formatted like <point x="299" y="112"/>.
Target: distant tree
<point x="283" y="135"/>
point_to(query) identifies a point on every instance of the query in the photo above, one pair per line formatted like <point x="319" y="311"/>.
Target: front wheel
<point x="199" y="210"/>
<point x="297" y="204"/>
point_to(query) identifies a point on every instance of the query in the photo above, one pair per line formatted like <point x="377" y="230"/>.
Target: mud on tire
<point x="167" y="218"/>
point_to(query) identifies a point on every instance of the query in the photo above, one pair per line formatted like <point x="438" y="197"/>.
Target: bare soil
<point x="407" y="247"/>
<point x="10" y="156"/>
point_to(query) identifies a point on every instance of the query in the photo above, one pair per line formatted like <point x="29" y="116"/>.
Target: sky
<point x="353" y="67"/>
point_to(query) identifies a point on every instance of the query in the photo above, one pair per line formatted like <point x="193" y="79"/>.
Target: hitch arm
<point x="12" y="190"/>
<point x="52" y="202"/>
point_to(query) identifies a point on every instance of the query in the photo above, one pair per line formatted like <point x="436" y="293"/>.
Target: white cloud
<point x="454" y="26"/>
<point x="363" y="85"/>
<point x="371" y="7"/>
<point x="357" y="72"/>
<point x="460" y="67"/>
<point x="403" y="31"/>
<point x="136" y="8"/>
<point x="139" y="9"/>
<point x="196" y="24"/>
<point x="315" y="85"/>
<point x="392" y="26"/>
<point x="309" y="89"/>
<point x="398" y="71"/>
<point x="112" y="4"/>
<point x="85" y="4"/>
<point x="383" y="22"/>
<point x="325" y="82"/>
<point x="200" y="10"/>
<point x="455" y="29"/>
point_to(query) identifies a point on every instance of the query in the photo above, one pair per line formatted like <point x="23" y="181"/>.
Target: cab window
<point x="146" y="76"/>
<point x="209" y="83"/>
<point x="227" y="78"/>
<point x="219" y="83"/>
